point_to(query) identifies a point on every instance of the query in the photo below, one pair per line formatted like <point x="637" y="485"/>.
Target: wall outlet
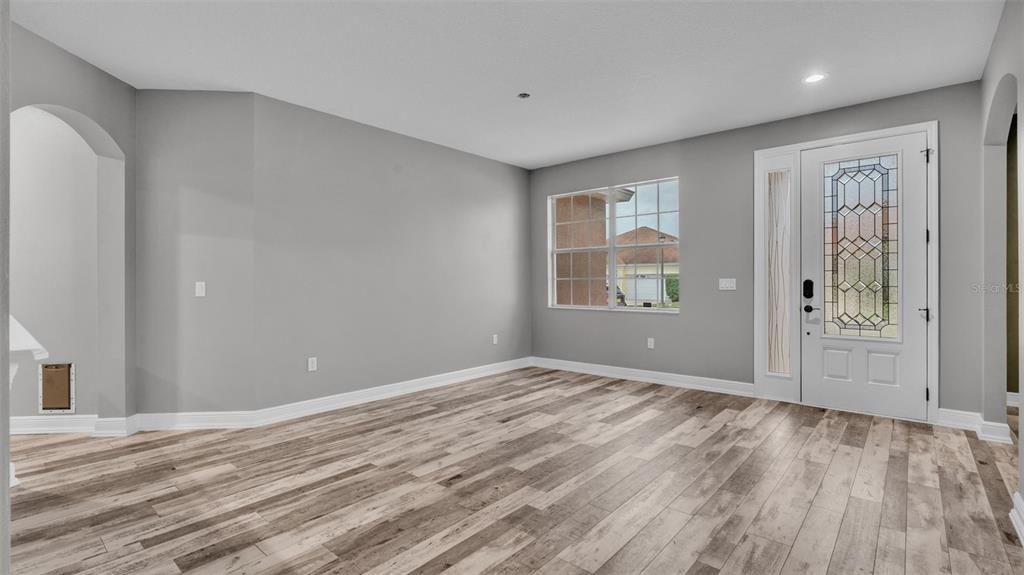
<point x="200" y="289"/>
<point x="650" y="343"/>
<point x="311" y="363"/>
<point x="494" y="339"/>
<point x="727" y="284"/>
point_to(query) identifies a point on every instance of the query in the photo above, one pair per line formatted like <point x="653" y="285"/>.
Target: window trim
<point x="611" y="249"/>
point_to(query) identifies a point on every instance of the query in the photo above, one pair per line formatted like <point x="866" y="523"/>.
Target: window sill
<point x="637" y="310"/>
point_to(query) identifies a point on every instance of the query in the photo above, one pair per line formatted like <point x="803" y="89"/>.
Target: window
<point x="616" y="247"/>
<point x="778" y="247"/>
<point x="861" y="247"/>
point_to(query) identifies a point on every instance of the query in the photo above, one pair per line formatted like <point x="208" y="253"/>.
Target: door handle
<point x="809" y="308"/>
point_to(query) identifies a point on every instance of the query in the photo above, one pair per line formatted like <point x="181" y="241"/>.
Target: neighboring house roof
<point x="625" y="255"/>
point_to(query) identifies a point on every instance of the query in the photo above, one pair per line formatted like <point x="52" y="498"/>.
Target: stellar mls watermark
<point x="987" y="288"/>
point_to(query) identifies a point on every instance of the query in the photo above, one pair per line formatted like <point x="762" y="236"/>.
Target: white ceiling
<point x="605" y="76"/>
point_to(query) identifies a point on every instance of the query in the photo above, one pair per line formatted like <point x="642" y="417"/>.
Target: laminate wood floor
<point x="533" y="471"/>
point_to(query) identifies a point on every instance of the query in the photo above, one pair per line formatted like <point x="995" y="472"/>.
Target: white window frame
<point x="611" y="271"/>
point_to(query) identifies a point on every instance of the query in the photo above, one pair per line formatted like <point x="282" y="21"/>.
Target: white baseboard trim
<point x="116" y="426"/>
<point x="194" y="420"/>
<point x="187" y="421"/>
<point x="973" y="421"/>
<point x="1012" y="400"/>
<point x="279" y="413"/>
<point x="998" y="432"/>
<point x="1017" y="515"/>
<point x="660" y="377"/>
<point x="319" y="405"/>
<point x="57" y="423"/>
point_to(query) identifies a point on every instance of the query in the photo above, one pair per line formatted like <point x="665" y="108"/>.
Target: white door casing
<point x="863" y="245"/>
<point x="886" y="373"/>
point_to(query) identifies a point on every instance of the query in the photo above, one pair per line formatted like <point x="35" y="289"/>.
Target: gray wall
<point x="713" y="334"/>
<point x="387" y="257"/>
<point x="42" y="73"/>
<point x="1003" y="73"/>
<point x="194" y="222"/>
<point x="999" y="99"/>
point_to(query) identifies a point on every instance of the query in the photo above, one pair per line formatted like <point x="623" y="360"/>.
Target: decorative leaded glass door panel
<point x="864" y="267"/>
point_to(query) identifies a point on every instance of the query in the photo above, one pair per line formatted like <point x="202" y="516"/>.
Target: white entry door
<point x="864" y="284"/>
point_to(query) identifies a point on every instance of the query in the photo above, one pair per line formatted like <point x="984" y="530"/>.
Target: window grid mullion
<point x="611" y="248"/>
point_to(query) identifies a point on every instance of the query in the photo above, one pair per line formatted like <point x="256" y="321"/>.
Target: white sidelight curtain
<point x="777" y="243"/>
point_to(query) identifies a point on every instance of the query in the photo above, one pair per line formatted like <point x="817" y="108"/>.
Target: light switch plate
<point x="311" y="364"/>
<point x="727" y="284"/>
<point x="200" y="289"/>
<point x="494" y="339"/>
<point x="650" y="343"/>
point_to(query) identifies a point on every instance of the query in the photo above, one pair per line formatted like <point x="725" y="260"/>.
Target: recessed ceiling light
<point x="523" y="95"/>
<point x="815" y="78"/>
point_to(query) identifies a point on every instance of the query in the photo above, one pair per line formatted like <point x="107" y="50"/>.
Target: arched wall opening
<point x="999" y="290"/>
<point x="67" y="273"/>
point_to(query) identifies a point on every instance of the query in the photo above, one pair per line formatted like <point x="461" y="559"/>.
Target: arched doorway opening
<point x="67" y="273"/>
<point x="1002" y="238"/>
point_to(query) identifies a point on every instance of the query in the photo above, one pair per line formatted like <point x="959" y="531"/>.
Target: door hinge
<point x="927" y="394"/>
<point x="927" y="236"/>
<point x="928" y="154"/>
<point x="927" y="313"/>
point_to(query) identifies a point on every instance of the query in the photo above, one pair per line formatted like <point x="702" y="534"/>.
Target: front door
<point x="864" y="289"/>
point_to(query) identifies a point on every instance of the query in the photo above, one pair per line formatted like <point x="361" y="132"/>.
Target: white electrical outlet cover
<point x="200" y="289"/>
<point x="727" y="284"/>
